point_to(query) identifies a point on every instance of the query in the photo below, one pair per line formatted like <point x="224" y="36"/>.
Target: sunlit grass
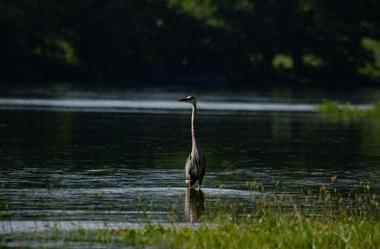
<point x="319" y="218"/>
<point x="285" y="231"/>
<point x="349" y="111"/>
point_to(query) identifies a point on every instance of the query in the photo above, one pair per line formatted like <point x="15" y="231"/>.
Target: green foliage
<point x="282" y="62"/>
<point x="270" y="232"/>
<point x="132" y="39"/>
<point x="340" y="110"/>
<point x="313" y="61"/>
<point x="348" y="111"/>
<point x="372" y="69"/>
<point x="374" y="112"/>
<point x="59" y="50"/>
<point x="204" y="11"/>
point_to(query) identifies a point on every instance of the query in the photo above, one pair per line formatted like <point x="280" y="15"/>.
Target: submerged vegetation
<point x="349" y="111"/>
<point x="319" y="218"/>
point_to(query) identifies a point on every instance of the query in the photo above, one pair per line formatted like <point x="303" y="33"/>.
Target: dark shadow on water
<point x="194" y="204"/>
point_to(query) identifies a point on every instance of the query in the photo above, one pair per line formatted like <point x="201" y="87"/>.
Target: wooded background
<point x="237" y="42"/>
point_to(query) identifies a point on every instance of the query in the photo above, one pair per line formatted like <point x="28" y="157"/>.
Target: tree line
<point x="242" y="42"/>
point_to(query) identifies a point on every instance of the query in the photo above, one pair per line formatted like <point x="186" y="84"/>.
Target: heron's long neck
<point x="193" y="136"/>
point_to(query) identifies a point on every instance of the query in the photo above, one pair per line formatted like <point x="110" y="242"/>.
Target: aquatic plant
<point x="349" y="111"/>
<point x="375" y="110"/>
<point x="340" y="110"/>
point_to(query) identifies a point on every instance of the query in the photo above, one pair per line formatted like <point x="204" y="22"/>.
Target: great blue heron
<point x="195" y="166"/>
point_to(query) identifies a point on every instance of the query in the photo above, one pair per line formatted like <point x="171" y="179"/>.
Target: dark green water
<point x="127" y="167"/>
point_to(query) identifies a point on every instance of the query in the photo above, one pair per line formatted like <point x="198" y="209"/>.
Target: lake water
<point x="83" y="161"/>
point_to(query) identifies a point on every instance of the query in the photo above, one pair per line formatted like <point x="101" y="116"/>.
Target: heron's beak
<point x="182" y="100"/>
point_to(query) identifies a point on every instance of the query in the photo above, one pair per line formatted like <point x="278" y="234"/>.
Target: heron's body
<point x="195" y="167"/>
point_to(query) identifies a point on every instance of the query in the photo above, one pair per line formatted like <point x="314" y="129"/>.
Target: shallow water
<point x="81" y="166"/>
<point x="153" y="106"/>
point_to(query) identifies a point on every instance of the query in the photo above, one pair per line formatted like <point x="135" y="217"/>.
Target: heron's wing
<point x="195" y="167"/>
<point x="188" y="166"/>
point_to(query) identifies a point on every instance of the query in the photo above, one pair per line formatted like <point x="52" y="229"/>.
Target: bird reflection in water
<point x="194" y="204"/>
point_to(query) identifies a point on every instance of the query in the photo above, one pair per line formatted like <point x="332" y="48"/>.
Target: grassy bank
<point x="319" y="218"/>
<point x="349" y="111"/>
<point x="285" y="231"/>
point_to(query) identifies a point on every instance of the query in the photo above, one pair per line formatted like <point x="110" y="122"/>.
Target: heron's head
<point x="188" y="99"/>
